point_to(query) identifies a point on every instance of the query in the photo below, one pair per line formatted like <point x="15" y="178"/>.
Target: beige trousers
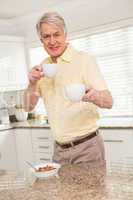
<point x="91" y="151"/>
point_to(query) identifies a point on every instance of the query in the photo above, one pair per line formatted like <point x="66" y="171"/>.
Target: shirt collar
<point x="66" y="56"/>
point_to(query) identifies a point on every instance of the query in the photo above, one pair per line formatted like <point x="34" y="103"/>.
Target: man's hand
<point x="91" y="95"/>
<point x="102" y="98"/>
<point x="35" y="74"/>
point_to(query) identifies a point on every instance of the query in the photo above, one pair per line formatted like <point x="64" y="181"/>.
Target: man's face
<point x="54" y="39"/>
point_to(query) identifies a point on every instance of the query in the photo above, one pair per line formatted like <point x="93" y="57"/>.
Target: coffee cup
<point x="50" y="70"/>
<point x="75" y="92"/>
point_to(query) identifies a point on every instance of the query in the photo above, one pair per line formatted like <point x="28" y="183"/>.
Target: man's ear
<point x="41" y="40"/>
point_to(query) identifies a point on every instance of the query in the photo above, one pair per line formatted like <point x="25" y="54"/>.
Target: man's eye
<point x="45" y="36"/>
<point x="57" y="35"/>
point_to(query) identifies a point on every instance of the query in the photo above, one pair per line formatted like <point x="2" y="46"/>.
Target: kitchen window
<point x="36" y="55"/>
<point x="114" y="53"/>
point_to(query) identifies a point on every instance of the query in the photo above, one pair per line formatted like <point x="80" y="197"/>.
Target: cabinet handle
<point x="43" y="147"/>
<point x="43" y="138"/>
<point x="46" y="159"/>
<point x="114" y="141"/>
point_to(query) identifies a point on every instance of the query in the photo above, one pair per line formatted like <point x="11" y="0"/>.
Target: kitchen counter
<point x="103" y="124"/>
<point x="25" y="124"/>
<point x="5" y="127"/>
<point x="41" y="124"/>
<point x="80" y="182"/>
<point x="116" y="122"/>
<point x="30" y="124"/>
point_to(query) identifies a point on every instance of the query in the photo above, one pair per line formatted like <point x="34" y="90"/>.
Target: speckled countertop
<point x="103" y="124"/>
<point x="80" y="182"/>
<point x="25" y="124"/>
<point x="30" y="124"/>
<point x="42" y="124"/>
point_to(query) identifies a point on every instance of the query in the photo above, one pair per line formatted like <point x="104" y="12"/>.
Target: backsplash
<point x="12" y="98"/>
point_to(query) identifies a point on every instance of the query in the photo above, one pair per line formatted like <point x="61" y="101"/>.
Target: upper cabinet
<point x="13" y="67"/>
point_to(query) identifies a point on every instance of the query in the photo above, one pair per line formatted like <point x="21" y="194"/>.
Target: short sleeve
<point x="92" y="74"/>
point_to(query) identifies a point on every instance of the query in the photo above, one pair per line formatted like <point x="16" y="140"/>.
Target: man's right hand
<point x="35" y="74"/>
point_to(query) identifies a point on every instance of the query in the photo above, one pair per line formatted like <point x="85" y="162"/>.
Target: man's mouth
<point x="53" y="48"/>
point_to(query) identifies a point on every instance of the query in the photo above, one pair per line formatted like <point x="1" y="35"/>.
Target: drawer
<point x="41" y="134"/>
<point x="117" y="136"/>
<point x="41" y="137"/>
<point x="42" y="158"/>
<point x="43" y="146"/>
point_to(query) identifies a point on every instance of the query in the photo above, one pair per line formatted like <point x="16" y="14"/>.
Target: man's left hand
<point x="91" y="95"/>
<point x="102" y="98"/>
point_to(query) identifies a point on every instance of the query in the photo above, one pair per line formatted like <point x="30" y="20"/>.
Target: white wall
<point x="79" y="15"/>
<point x="7" y="27"/>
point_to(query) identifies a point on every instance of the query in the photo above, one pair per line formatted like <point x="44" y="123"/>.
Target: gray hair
<point x="51" y="18"/>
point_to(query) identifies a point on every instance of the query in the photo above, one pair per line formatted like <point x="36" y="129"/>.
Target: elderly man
<point x="74" y="124"/>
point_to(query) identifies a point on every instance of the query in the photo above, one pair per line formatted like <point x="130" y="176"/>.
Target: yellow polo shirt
<point x="71" y="120"/>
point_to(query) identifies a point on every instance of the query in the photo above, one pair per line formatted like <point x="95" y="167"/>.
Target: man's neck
<point x="54" y="59"/>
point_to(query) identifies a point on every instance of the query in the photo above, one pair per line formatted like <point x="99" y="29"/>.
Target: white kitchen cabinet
<point x="13" y="68"/>
<point x="8" y="160"/>
<point x="42" y="142"/>
<point x="118" y="144"/>
<point x="34" y="145"/>
<point x="24" y="147"/>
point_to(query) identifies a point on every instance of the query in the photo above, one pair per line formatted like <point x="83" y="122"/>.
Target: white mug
<point x="50" y="70"/>
<point x="75" y="92"/>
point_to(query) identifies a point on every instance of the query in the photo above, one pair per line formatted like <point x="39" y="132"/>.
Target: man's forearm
<point x="31" y="97"/>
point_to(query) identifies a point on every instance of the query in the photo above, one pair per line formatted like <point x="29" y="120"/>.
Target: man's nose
<point x="52" y="40"/>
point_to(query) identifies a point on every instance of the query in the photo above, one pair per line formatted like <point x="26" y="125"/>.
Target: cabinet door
<point x="7" y="150"/>
<point x="42" y="142"/>
<point x="13" y="69"/>
<point x="118" y="144"/>
<point x="42" y="157"/>
<point x="24" y="147"/>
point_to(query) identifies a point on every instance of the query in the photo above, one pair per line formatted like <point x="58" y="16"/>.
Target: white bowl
<point x="21" y="115"/>
<point x="46" y="174"/>
<point x="50" y="70"/>
<point x="75" y="92"/>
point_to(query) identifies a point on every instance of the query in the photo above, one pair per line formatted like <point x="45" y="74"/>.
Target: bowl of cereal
<point x="45" y="170"/>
